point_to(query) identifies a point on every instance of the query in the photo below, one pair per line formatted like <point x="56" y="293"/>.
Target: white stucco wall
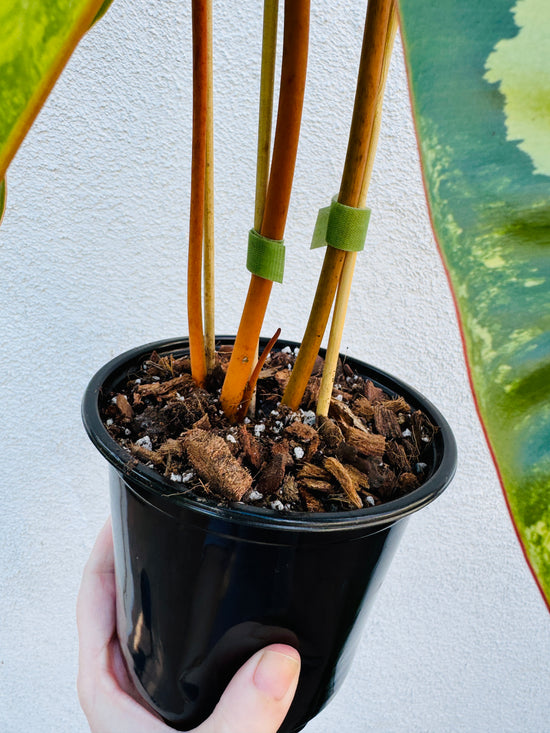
<point x="92" y="262"/>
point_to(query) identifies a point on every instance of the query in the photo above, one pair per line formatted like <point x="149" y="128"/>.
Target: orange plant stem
<point x="198" y="176"/>
<point x="251" y="384"/>
<point x="289" y="115"/>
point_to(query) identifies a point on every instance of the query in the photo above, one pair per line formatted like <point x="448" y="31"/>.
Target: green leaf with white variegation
<point x="36" y="41"/>
<point x="480" y="86"/>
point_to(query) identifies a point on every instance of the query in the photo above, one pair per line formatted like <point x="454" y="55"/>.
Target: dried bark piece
<point x="422" y="429"/>
<point x="282" y="377"/>
<point x="310" y="470"/>
<point x="398" y="405"/>
<point x="216" y="466"/>
<point x="250" y="447"/>
<point x="289" y="490"/>
<point x="203" y="423"/>
<point x="334" y="467"/>
<point x="306" y="435"/>
<point x="344" y="415"/>
<point x="282" y="446"/>
<point x="373" y="393"/>
<point x="386" y="422"/>
<point x="397" y="457"/>
<point x="330" y="433"/>
<point x="124" y="406"/>
<point x="159" y="389"/>
<point x="146" y="456"/>
<point x="311" y="393"/>
<point x="408" y="482"/>
<point x="267" y="373"/>
<point x="312" y="503"/>
<point x="382" y="479"/>
<point x="358" y="477"/>
<point x="171" y="447"/>
<point x="368" y="444"/>
<point x="312" y="484"/>
<point x="272" y="475"/>
<point x="363" y="408"/>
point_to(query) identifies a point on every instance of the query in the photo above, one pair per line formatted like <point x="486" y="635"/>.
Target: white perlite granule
<point x="145" y="442"/>
<point x="298" y="452"/>
<point x="255" y="495"/>
<point x="278" y="505"/>
<point x="175" y="477"/>
<point x="258" y="429"/>
<point x="231" y="438"/>
<point x="308" y="417"/>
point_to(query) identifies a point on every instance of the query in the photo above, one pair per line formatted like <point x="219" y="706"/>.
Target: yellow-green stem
<point x="267" y="83"/>
<point x="342" y="298"/>
<point x="209" y="294"/>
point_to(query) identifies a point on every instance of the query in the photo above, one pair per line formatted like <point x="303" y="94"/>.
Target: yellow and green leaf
<point x="479" y="75"/>
<point x="36" y="41"/>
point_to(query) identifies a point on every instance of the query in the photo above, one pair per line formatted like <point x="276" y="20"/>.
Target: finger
<point x="259" y="695"/>
<point x="95" y="612"/>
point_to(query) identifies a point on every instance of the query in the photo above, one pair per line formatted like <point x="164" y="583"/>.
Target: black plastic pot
<point x="200" y="588"/>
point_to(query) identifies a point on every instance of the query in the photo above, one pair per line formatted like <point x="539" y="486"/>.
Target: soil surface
<point x="370" y="449"/>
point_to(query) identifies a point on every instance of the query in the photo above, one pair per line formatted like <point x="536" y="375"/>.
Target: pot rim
<point x="157" y="487"/>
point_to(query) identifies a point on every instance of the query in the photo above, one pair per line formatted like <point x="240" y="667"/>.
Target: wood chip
<point x="373" y="393"/>
<point x="212" y="460"/>
<point x="124" y="406"/>
<point x="306" y="436"/>
<point x="171" y="447"/>
<point x="158" y="389"/>
<point x="282" y="377"/>
<point x="345" y="416"/>
<point x="146" y="456"/>
<point x="334" y="467"/>
<point x="203" y="423"/>
<point x="398" y="405"/>
<point x="311" y="502"/>
<point x="396" y="456"/>
<point x="360" y="478"/>
<point x="408" y="482"/>
<point x="310" y="470"/>
<point x="368" y="444"/>
<point x="386" y="422"/>
<point x="362" y="407"/>
<point x="312" y="484"/>
<point x="250" y="446"/>
<point x="271" y="477"/>
<point x="330" y="433"/>
<point x="289" y="490"/>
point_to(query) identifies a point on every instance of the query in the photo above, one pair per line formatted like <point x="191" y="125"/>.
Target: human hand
<point x="255" y="701"/>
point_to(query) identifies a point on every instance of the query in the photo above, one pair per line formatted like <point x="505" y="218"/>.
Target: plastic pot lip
<point x="156" y="487"/>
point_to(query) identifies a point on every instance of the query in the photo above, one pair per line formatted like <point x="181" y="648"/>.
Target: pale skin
<point x="255" y="701"/>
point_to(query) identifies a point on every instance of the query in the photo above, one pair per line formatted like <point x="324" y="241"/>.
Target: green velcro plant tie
<point x="343" y="227"/>
<point x="266" y="257"/>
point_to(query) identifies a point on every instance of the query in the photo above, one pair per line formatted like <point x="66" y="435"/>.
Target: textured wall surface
<point x="92" y="261"/>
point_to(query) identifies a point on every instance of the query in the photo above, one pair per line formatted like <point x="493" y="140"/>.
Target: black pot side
<point x="200" y="588"/>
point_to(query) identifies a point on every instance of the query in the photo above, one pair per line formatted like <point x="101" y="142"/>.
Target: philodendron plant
<point x="479" y="86"/>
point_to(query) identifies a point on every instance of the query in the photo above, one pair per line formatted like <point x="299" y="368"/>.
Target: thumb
<point x="259" y="695"/>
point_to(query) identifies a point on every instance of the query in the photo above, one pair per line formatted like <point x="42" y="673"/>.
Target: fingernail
<point x="275" y="673"/>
